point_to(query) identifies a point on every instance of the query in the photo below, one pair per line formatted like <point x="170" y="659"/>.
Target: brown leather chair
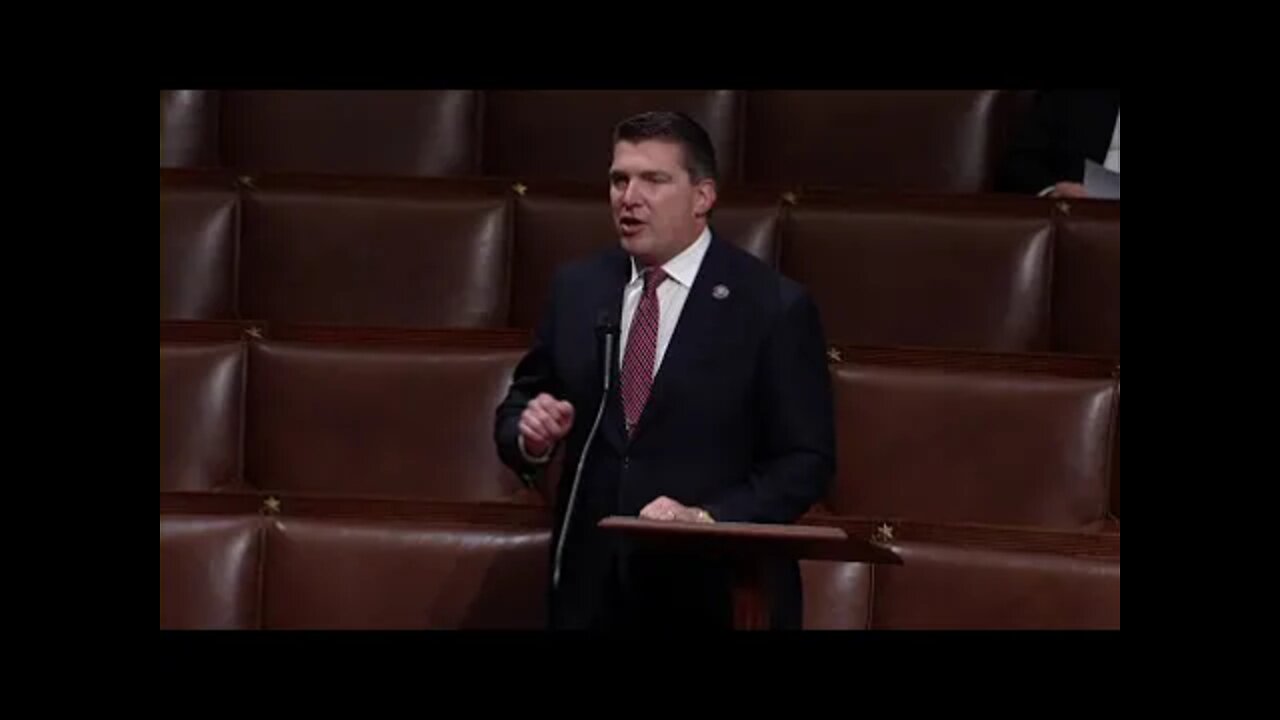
<point x="1086" y="287"/>
<point x="365" y="573"/>
<point x="353" y="132"/>
<point x="286" y="561"/>
<point x="201" y="396"/>
<point x="557" y="223"/>
<point x="199" y="229"/>
<point x="567" y="134"/>
<point x="408" y="421"/>
<point x="349" y="252"/>
<point x="946" y="444"/>
<point x="281" y="560"/>
<point x="952" y="587"/>
<point x="919" y="140"/>
<point x="210" y="571"/>
<point x="189" y="122"/>
<point x="1115" y="462"/>
<point x="931" y="272"/>
<point x="837" y="595"/>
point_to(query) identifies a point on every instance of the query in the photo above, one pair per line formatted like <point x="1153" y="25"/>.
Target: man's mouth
<point x="630" y="225"/>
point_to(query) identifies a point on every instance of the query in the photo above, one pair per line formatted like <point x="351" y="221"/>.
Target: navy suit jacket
<point x="739" y="422"/>
<point x="1062" y="128"/>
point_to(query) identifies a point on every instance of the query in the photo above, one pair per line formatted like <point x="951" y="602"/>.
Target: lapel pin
<point x="720" y="292"/>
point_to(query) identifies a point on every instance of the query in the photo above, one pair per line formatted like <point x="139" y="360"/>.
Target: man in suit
<point x="720" y="407"/>
<point x="1063" y="128"/>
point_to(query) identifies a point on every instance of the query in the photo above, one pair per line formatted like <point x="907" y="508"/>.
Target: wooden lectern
<point x="745" y="545"/>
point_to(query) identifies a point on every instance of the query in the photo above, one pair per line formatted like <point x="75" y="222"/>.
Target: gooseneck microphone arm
<point x="611" y="330"/>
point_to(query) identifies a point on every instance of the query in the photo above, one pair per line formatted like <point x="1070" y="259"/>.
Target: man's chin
<point x="635" y="244"/>
<point x="643" y="248"/>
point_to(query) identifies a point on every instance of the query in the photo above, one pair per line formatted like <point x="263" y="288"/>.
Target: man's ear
<point x="704" y="197"/>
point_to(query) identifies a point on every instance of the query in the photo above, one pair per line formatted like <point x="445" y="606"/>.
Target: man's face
<point x="657" y="210"/>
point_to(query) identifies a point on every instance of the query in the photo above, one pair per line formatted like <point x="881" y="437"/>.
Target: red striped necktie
<point x="642" y="349"/>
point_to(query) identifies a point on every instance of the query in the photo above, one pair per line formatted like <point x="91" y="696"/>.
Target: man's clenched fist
<point x="544" y="422"/>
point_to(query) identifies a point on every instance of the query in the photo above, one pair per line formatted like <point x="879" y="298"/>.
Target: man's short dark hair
<point x="699" y="153"/>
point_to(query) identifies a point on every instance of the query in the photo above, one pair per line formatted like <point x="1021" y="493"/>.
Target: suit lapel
<point x="697" y="326"/>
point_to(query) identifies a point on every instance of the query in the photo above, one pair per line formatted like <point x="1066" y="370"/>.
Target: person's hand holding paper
<point x="1068" y="190"/>
<point x="1100" y="182"/>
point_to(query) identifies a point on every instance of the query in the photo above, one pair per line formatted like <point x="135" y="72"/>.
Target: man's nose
<point x="629" y="194"/>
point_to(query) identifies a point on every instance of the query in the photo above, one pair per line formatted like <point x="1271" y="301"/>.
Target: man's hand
<point x="1068" y="190"/>
<point x="544" y="422"/>
<point x="664" y="508"/>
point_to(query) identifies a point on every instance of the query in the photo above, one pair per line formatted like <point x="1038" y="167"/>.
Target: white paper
<point x="1100" y="182"/>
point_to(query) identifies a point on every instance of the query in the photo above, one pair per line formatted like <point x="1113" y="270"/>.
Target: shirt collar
<point x="682" y="268"/>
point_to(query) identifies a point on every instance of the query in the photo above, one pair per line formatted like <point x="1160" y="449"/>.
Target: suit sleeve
<point x="534" y="374"/>
<point x="1039" y="155"/>
<point x="795" y="460"/>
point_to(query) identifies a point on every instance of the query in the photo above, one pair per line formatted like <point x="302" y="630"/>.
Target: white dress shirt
<point x="681" y="271"/>
<point x="1113" y="153"/>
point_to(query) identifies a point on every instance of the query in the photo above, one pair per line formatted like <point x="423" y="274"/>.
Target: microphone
<point x="608" y="327"/>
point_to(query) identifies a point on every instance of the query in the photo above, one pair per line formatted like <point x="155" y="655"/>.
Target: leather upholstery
<point x="947" y="587"/>
<point x="1000" y="448"/>
<point x="557" y="223"/>
<point x="307" y="562"/>
<point x="209" y="572"/>
<point x="1086" y="297"/>
<point x="371" y="132"/>
<point x="925" y="271"/>
<point x="201" y="390"/>
<point x="749" y="220"/>
<point x="349" y="255"/>
<point x="411" y="422"/>
<point x="189" y="128"/>
<point x="947" y="141"/>
<point x="837" y="595"/>
<point x="374" y="574"/>
<point x="919" y="140"/>
<point x="552" y="229"/>
<point x="246" y="571"/>
<point x="531" y="134"/>
<point x="899" y="272"/>
<point x="1115" y="461"/>
<point x="199" y="227"/>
